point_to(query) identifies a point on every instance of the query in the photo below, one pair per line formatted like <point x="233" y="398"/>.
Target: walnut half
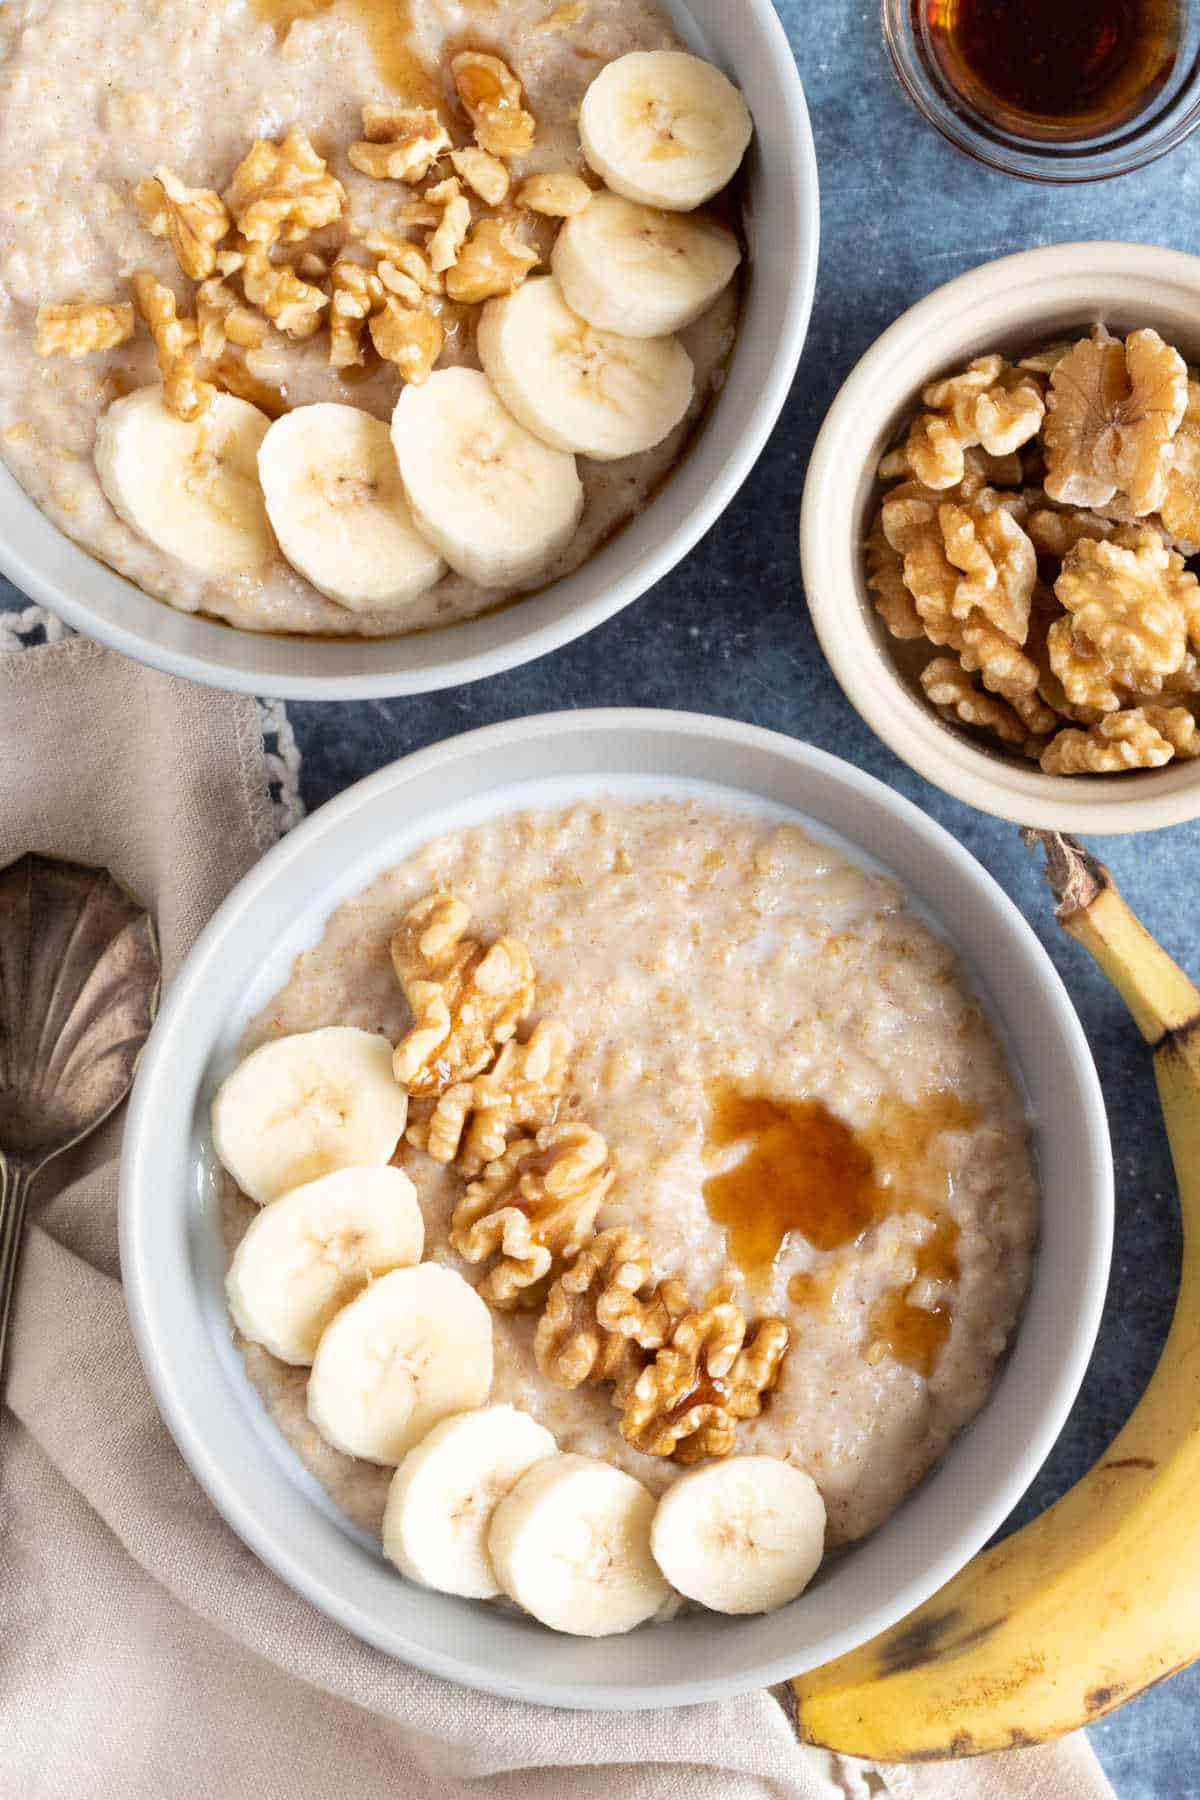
<point x="194" y="219"/>
<point x="466" y="1001"/>
<point x="520" y="1092"/>
<point x="534" y="1206"/>
<point x="281" y="192"/>
<point x="600" y="1319"/>
<point x="687" y="1402"/>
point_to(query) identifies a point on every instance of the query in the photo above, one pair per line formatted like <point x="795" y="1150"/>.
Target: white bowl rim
<point x="219" y="664"/>
<point x="154" y="1313"/>
<point x="1004" y="787"/>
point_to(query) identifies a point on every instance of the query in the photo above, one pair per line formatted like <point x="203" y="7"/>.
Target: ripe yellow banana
<point x="1100" y="1596"/>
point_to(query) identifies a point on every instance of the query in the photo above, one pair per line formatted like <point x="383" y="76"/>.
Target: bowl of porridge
<point x="999" y="536"/>
<point x="354" y="349"/>
<point x="606" y="1174"/>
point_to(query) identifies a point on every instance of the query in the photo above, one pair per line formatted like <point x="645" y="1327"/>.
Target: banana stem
<point x="1161" y="998"/>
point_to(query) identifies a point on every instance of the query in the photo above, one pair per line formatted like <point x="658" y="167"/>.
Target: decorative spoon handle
<point x="16" y="1179"/>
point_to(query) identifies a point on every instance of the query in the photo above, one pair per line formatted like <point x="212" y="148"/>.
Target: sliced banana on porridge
<point x="414" y="1347"/>
<point x="498" y="503"/>
<point x="189" y="486"/>
<point x="641" y="271"/>
<point x="443" y="1495"/>
<point x="571" y="1545"/>
<point x="665" y="128"/>
<point x="312" y="1251"/>
<point x="336" y="501"/>
<point x="741" y="1536"/>
<point x="303" y="1106"/>
<point x="576" y="388"/>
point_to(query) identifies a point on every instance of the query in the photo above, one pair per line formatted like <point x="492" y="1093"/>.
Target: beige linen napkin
<point x="144" y="1653"/>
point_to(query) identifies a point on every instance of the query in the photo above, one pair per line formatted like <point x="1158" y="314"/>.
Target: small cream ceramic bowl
<point x="782" y="229"/>
<point x="1012" y="305"/>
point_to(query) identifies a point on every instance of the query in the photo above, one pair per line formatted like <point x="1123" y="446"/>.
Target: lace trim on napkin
<point x="33" y="626"/>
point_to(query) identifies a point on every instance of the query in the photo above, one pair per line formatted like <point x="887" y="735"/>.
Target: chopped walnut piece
<point x="295" y="306"/>
<point x="494" y="260"/>
<point x="520" y="1092"/>
<point x="453" y="225"/>
<point x="282" y="192"/>
<point x="989" y="404"/>
<point x="194" y="219"/>
<point x="183" y="391"/>
<point x="559" y="195"/>
<point x="77" y="327"/>
<point x="949" y="687"/>
<point x="411" y="337"/>
<point x="686" y="1403"/>
<point x="1112" y="414"/>
<point x="1127" y="600"/>
<point x="533" y="1206"/>
<point x="998" y="562"/>
<point x="356" y="291"/>
<point x="401" y="143"/>
<point x="485" y="175"/>
<point x="395" y="281"/>
<point x="494" y="102"/>
<point x="1180" y="507"/>
<point x="885" y="578"/>
<point x="221" y="319"/>
<point x="600" y="1318"/>
<point x="1129" y="739"/>
<point x="466" y="1001"/>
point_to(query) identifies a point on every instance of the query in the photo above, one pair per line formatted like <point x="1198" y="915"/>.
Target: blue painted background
<point x="729" y="633"/>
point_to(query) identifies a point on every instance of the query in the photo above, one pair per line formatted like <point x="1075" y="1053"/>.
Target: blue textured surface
<point x="729" y="633"/>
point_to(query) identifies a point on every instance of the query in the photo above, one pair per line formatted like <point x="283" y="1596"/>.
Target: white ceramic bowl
<point x="1011" y="305"/>
<point x="782" y="226"/>
<point x="172" y="1262"/>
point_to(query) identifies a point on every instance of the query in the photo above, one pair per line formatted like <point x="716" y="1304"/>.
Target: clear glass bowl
<point x="1033" y="149"/>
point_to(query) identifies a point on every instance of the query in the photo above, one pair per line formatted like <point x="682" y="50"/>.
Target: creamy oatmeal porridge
<point x="803" y="1104"/>
<point x="94" y="99"/>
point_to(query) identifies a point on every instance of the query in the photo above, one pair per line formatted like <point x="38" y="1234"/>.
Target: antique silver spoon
<point x="79" y="984"/>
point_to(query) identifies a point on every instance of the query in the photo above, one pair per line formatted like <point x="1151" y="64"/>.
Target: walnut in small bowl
<point x="1033" y="542"/>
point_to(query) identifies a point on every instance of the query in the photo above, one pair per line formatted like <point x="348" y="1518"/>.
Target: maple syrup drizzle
<point x="1074" y="68"/>
<point x="805" y="1170"/>
<point x="388" y="28"/>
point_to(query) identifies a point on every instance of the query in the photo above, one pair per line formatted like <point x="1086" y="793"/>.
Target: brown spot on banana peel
<point x="1131" y="1462"/>
<point x="924" y="1642"/>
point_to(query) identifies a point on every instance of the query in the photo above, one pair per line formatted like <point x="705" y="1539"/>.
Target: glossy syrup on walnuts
<point x="1069" y="69"/>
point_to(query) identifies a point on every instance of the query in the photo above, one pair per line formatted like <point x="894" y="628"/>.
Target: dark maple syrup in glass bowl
<point x="1054" y="90"/>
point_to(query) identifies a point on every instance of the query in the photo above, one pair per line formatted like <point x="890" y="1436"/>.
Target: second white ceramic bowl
<point x="782" y="228"/>
<point x="173" y="1264"/>
<point x="1012" y="305"/>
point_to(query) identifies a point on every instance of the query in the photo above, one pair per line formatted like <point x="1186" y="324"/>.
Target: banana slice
<point x="497" y="502"/>
<point x="415" y="1346"/>
<point x="664" y="128"/>
<point x="741" y="1536"/>
<point x="444" y="1493"/>
<point x="337" y="503"/>
<point x="577" y="388"/>
<point x="640" y="271"/>
<point x="190" y="488"/>
<point x="571" y="1544"/>
<point x="305" y="1105"/>
<point x="311" y="1251"/>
